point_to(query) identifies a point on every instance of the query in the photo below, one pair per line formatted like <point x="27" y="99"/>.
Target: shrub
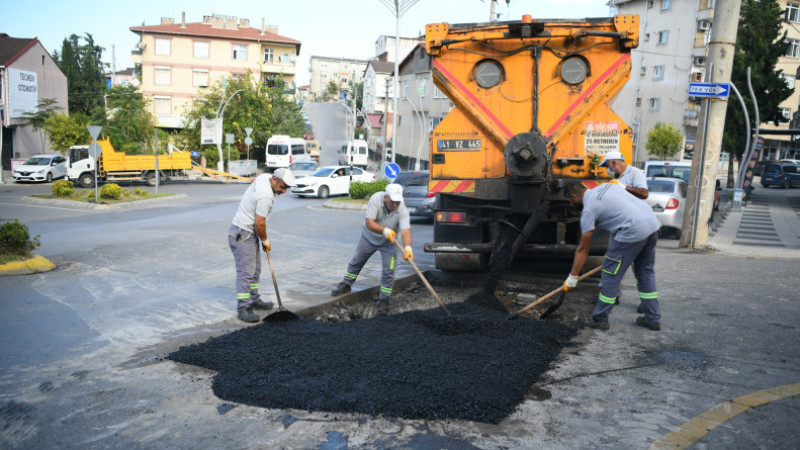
<point x="111" y="191"/>
<point x="140" y="192"/>
<point x="360" y="189"/>
<point x="16" y="240"/>
<point x="63" y="188"/>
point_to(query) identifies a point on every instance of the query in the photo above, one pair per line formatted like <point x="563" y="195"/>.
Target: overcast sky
<point x="335" y="28"/>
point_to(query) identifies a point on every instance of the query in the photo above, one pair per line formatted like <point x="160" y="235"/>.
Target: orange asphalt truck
<point x="118" y="166"/>
<point x="532" y="111"/>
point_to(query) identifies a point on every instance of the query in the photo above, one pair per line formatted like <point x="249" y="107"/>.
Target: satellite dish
<point x="135" y="82"/>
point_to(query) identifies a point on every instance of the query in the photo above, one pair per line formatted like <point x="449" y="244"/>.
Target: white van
<point x="354" y="153"/>
<point x="283" y="150"/>
<point x="674" y="169"/>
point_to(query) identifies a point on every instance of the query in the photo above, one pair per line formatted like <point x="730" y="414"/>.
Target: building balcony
<point x="690" y="117"/>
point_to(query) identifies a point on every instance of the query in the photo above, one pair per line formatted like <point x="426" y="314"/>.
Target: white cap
<point x="395" y="192"/>
<point x="286" y="175"/>
<point x="611" y="155"/>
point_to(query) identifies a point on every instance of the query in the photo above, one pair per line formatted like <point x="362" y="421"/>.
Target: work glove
<point x="389" y="234"/>
<point x="408" y="255"/>
<point x="570" y="283"/>
<point x="616" y="181"/>
<point x="267" y="246"/>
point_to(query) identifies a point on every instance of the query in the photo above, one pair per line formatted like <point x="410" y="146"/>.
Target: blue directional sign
<point x="709" y="90"/>
<point x="391" y="170"/>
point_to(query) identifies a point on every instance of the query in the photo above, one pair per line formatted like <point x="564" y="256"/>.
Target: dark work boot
<point x="383" y="307"/>
<point x="650" y="324"/>
<point x="259" y="304"/>
<point x="246" y="314"/>
<point x="598" y="324"/>
<point x="341" y="288"/>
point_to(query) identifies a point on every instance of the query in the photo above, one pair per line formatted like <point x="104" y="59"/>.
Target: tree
<point x="44" y="110"/>
<point x="759" y="44"/>
<point x="127" y="122"/>
<point x="663" y="141"/>
<point x="65" y="131"/>
<point x="332" y="90"/>
<point x="82" y="64"/>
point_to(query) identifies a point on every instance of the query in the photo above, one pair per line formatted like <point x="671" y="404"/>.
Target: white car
<point x="302" y="169"/>
<point x="41" y="168"/>
<point x="330" y="180"/>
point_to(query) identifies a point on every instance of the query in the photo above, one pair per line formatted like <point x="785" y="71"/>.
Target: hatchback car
<point x="667" y="197"/>
<point x="784" y="175"/>
<point x="41" y="168"/>
<point x="303" y="168"/>
<point x="330" y="180"/>
<point x="418" y="200"/>
<point x="758" y="169"/>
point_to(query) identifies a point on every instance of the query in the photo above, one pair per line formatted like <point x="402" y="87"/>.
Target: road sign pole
<point x="95" y="152"/>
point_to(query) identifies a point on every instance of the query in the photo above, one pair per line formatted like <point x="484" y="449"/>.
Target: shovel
<point x="552" y="293"/>
<point x="282" y="314"/>
<point x="424" y="280"/>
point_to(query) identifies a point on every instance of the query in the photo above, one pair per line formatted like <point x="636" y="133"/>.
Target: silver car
<point x="418" y="200"/>
<point x="667" y="197"/>
<point x="41" y="168"/>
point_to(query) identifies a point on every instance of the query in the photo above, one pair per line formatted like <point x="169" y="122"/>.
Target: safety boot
<point x="259" y="304"/>
<point x="383" y="307"/>
<point x="341" y="288"/>
<point x="601" y="325"/>
<point x="649" y="324"/>
<point x="246" y="314"/>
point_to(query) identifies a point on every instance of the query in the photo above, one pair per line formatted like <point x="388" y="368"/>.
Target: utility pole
<point x="385" y="123"/>
<point x="700" y="199"/>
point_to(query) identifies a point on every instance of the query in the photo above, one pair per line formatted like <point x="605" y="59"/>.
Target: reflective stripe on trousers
<point x="246" y="251"/>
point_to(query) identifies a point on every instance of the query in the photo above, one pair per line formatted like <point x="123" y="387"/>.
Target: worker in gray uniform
<point x="634" y="232"/>
<point x="247" y="235"/>
<point x="631" y="178"/>
<point x="386" y="215"/>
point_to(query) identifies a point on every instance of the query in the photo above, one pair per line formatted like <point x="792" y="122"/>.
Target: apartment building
<point x="342" y="71"/>
<point x="176" y="61"/>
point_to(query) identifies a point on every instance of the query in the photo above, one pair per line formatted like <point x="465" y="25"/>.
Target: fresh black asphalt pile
<point x="417" y="364"/>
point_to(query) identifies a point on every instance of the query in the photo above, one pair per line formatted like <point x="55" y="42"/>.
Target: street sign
<point x="248" y="131"/>
<point x="94" y="150"/>
<point x="195" y="153"/>
<point x="94" y="131"/>
<point x="249" y="141"/>
<point x="391" y="170"/>
<point x="709" y="90"/>
<point x="229" y="139"/>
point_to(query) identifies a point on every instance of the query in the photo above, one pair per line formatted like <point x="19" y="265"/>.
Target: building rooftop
<point x="12" y="48"/>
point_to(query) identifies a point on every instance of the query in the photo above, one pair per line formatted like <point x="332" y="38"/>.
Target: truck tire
<point x="150" y="178"/>
<point x="86" y="180"/>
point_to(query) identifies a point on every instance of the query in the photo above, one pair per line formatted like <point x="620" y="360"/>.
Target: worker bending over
<point x="386" y="215"/>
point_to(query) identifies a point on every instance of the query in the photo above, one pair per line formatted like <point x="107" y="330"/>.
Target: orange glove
<point x="267" y="246"/>
<point x="389" y="234"/>
<point x="408" y="255"/>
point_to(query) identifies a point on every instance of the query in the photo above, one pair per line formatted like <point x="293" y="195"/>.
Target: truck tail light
<point x="431" y="194"/>
<point x="672" y="203"/>
<point x="451" y="217"/>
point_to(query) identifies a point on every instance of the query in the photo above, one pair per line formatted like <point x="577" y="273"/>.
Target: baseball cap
<point x="611" y="155"/>
<point x="395" y="192"/>
<point x="286" y="175"/>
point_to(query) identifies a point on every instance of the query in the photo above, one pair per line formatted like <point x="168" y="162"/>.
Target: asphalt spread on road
<point x="419" y="364"/>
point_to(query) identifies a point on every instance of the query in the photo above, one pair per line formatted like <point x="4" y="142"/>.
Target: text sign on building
<point x="709" y="90"/>
<point x="23" y="92"/>
<point x="601" y="137"/>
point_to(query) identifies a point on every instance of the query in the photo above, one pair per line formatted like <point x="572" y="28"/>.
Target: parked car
<point x="303" y="168"/>
<point x="418" y="200"/>
<point x="667" y="197"/>
<point x="759" y="167"/>
<point x="796" y="162"/>
<point x="41" y="168"/>
<point x="330" y="180"/>
<point x="784" y="175"/>
<point x="674" y="169"/>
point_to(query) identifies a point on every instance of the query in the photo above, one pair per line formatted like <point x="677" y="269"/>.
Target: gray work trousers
<point x="246" y="249"/>
<point x="620" y="256"/>
<point x="364" y="250"/>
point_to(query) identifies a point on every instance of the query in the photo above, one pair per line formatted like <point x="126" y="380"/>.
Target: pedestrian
<point x="634" y="234"/>
<point x="629" y="177"/>
<point x="248" y="233"/>
<point x="386" y="215"/>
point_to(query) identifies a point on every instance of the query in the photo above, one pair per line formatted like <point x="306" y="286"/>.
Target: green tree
<point x="81" y="61"/>
<point x="332" y="90"/>
<point x="44" y="110"/>
<point x="65" y="131"/>
<point x="127" y="123"/>
<point x="759" y="44"/>
<point x="663" y="141"/>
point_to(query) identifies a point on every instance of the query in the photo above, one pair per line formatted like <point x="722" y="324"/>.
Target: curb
<point x="34" y="265"/>
<point x="342" y="205"/>
<point x="95" y="207"/>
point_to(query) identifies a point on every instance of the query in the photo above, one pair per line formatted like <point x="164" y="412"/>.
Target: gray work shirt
<point x="633" y="177"/>
<point x="257" y="199"/>
<point x="610" y="207"/>
<point x="397" y="220"/>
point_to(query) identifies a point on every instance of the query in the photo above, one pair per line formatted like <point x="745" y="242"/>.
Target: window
<point x="421" y="89"/>
<point x="199" y="78"/>
<point x="663" y="36"/>
<point x="794" y="48"/>
<point x="647" y="37"/>
<point x="793" y="12"/>
<point x="664" y="4"/>
<point x="787" y="113"/>
<point x="649" y="3"/>
<point x="201" y="49"/>
<point x="643" y="71"/>
<point x="789" y="81"/>
<point x="240" y="53"/>
<point x="163" y="105"/>
<point x="437" y="93"/>
<point x="658" y="73"/>
<point x="655" y="104"/>
<point x="696" y="76"/>
<point x="405" y="90"/>
<point x="269" y="55"/>
<point x="638" y="101"/>
<point x="324" y="75"/>
<point x="162" y="47"/>
<point x="344" y="80"/>
<point x="163" y="76"/>
<point x="285" y="59"/>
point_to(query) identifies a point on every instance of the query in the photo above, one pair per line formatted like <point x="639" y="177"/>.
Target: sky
<point x="332" y="28"/>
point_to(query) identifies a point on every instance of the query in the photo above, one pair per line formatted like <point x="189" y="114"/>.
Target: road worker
<point x="631" y="178"/>
<point x="634" y="234"/>
<point x="248" y="233"/>
<point x="386" y="216"/>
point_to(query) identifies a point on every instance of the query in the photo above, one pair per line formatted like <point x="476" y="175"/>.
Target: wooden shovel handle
<point x="424" y="280"/>
<point x="556" y="291"/>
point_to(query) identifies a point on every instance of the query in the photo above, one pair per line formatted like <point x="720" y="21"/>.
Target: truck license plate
<point x="459" y="145"/>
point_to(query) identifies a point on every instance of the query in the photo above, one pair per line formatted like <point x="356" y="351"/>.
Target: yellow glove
<point x="408" y="255"/>
<point x="389" y="234"/>
<point x="267" y="246"/>
<point x="614" y="181"/>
